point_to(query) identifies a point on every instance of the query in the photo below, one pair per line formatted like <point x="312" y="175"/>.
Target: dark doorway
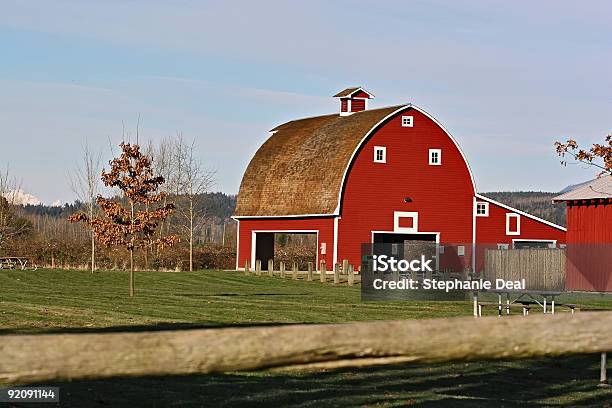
<point x="264" y="247"/>
<point x="405" y="246"/>
<point x="533" y="244"/>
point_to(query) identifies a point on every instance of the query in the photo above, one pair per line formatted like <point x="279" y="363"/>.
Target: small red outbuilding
<point x="589" y="236"/>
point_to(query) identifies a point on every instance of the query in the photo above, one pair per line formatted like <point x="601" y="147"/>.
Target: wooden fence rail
<point x="38" y="358"/>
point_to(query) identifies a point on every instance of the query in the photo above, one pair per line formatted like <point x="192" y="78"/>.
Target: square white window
<point x="461" y="250"/>
<point x="482" y="209"/>
<point x="435" y="157"/>
<point x="513" y="224"/>
<point x="407" y="121"/>
<point x="380" y="154"/>
<point x="502" y="246"/>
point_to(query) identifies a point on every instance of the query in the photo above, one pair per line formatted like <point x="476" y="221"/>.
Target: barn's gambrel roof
<point x="300" y="170"/>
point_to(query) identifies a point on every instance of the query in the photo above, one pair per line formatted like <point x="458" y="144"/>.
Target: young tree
<point x="11" y="226"/>
<point x="192" y="182"/>
<point x="85" y="184"/>
<point x="134" y="226"/>
<point x="599" y="155"/>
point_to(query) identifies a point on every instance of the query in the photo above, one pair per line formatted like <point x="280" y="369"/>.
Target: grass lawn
<point x="49" y="301"/>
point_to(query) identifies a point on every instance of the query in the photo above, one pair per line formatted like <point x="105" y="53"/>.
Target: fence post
<point x="345" y="266"/>
<point x="603" y="373"/>
<point x="351" y="275"/>
<point x="294" y="270"/>
<point x="336" y="273"/>
<point x="247" y="267"/>
<point x="258" y="267"/>
<point x="271" y="267"/>
<point x="323" y="271"/>
<point x="282" y="269"/>
<point x="309" y="276"/>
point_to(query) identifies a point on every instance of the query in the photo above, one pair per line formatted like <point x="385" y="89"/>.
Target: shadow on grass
<point x="241" y="294"/>
<point x="135" y="328"/>
<point x="566" y="381"/>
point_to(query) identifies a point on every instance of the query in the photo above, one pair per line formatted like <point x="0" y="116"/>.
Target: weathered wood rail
<point x="37" y="358"/>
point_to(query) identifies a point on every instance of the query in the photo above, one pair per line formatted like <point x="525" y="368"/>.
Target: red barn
<point x="589" y="236"/>
<point x="373" y="175"/>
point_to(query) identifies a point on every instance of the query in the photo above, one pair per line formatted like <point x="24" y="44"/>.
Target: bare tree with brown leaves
<point x="132" y="227"/>
<point x="599" y="155"/>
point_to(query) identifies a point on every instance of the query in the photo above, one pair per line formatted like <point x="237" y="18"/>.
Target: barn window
<point x="461" y="250"/>
<point x="502" y="246"/>
<point x="482" y="209"/>
<point x="380" y="154"/>
<point x="405" y="221"/>
<point x="407" y="121"/>
<point x="513" y="224"/>
<point x="435" y="157"/>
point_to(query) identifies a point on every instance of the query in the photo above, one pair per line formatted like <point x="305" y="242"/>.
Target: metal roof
<point x="600" y="187"/>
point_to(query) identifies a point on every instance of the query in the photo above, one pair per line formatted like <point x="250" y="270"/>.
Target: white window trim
<point x="410" y="120"/>
<point x="486" y="209"/>
<point x="505" y="247"/>
<point x="461" y="250"/>
<point x="518" y="224"/>
<point x="439" y="151"/>
<point x="402" y="214"/>
<point x="384" y="154"/>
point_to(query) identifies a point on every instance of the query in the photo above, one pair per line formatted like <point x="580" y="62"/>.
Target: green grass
<point x="48" y="301"/>
<point x="56" y="299"/>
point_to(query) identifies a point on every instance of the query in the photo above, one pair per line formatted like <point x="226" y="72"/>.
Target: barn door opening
<point x="406" y="246"/>
<point x="287" y="246"/>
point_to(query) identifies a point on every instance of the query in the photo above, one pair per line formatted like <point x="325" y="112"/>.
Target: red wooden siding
<point x="343" y="105"/>
<point x="589" y="249"/>
<point x="491" y="231"/>
<point x="360" y="94"/>
<point x="442" y="195"/>
<point x="357" y="105"/>
<point x="587" y="223"/>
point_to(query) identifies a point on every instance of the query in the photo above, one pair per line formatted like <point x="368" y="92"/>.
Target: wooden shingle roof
<point x="346" y="92"/>
<point x="350" y="91"/>
<point x="299" y="170"/>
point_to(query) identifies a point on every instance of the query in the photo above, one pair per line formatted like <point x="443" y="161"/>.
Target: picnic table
<point x="17" y="262"/>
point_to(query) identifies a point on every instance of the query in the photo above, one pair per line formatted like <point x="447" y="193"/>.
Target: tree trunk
<point x="131" y="272"/>
<point x="93" y="253"/>
<point x="191" y="235"/>
<point x="93" y="238"/>
<point x="132" y="252"/>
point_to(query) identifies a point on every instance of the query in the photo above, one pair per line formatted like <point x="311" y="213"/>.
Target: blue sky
<point x="506" y="78"/>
